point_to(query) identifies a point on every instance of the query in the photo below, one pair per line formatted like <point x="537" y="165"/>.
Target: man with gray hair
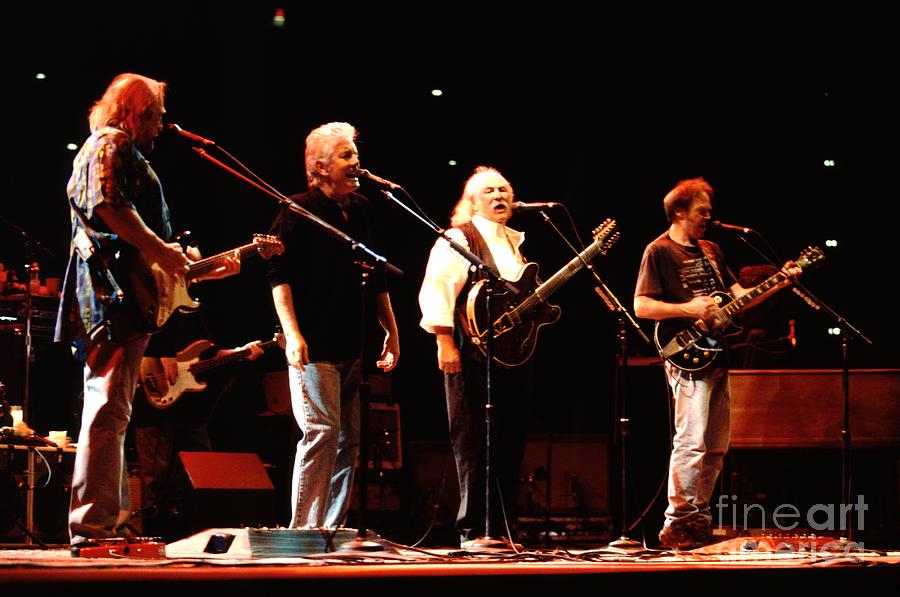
<point x="479" y="223"/>
<point x="317" y="291"/>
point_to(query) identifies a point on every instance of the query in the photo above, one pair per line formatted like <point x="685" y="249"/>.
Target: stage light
<point x="71" y="146"/>
<point x="451" y="163"/>
<point x="831" y="243"/>
<point x="437" y="92"/>
<point x="40" y="76"/>
<point x="278" y="19"/>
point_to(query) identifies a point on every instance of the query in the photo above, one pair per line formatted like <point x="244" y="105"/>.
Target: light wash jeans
<point x="325" y="400"/>
<point x="100" y="504"/>
<point x="702" y="432"/>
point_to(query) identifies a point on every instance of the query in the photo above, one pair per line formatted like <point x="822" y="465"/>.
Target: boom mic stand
<point x="361" y="543"/>
<point x="846" y="440"/>
<point x="623" y="543"/>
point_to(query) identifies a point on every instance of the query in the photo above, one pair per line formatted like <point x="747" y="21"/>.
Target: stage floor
<point x="186" y="566"/>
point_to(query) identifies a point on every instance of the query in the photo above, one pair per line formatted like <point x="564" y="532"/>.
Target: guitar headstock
<point x="268" y="245"/>
<point x="810" y="256"/>
<point x="606" y="235"/>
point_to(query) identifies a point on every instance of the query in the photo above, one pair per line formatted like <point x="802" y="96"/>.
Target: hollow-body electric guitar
<point x="522" y="314"/>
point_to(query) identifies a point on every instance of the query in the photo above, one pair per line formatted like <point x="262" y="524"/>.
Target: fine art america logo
<point x="787" y="517"/>
<point x="821" y="518"/>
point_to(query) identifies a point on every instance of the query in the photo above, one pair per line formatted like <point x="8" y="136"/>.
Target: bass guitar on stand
<point x="163" y="394"/>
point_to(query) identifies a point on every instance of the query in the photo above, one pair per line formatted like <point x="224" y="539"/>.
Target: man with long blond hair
<point x="478" y="223"/>
<point x="117" y="207"/>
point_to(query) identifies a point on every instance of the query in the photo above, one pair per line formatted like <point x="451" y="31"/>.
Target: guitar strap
<point x="87" y="243"/>
<point x="712" y="262"/>
<point x="478" y="246"/>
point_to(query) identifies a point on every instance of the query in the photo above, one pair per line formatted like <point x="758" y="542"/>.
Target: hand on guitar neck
<point x="693" y="345"/>
<point x="230" y="265"/>
<point x="156" y="294"/>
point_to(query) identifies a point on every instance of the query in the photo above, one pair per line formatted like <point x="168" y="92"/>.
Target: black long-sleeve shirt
<point x="323" y="274"/>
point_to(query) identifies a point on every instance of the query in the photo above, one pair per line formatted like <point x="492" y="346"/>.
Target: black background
<point x="603" y="112"/>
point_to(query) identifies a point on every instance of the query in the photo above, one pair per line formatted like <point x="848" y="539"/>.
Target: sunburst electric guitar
<point x="522" y="315"/>
<point x="694" y="345"/>
<point x="155" y="294"/>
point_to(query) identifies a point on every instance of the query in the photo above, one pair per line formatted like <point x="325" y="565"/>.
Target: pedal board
<point x="149" y="548"/>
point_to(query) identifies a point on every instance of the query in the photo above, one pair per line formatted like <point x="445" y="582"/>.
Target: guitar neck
<point x="543" y="292"/>
<point x="732" y="308"/>
<point x="204" y="266"/>
<point x="231" y="357"/>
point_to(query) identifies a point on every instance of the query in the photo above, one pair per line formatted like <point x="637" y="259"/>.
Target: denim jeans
<point x="100" y="503"/>
<point x="702" y="432"/>
<point x="325" y="400"/>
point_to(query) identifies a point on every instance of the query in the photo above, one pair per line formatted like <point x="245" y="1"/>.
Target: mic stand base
<point x="489" y="544"/>
<point x="623" y="543"/>
<point x="843" y="544"/>
<point x="363" y="545"/>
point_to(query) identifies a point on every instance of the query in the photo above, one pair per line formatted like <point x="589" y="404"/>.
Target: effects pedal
<point x="150" y="548"/>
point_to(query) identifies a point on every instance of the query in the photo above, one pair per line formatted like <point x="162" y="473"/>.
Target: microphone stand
<point x="355" y="245"/>
<point x="487" y="542"/>
<point x="846" y="440"/>
<point x="28" y="244"/>
<point x="361" y="544"/>
<point x="623" y="543"/>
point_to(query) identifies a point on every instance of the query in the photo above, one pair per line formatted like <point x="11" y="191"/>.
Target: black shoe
<point x="677" y="537"/>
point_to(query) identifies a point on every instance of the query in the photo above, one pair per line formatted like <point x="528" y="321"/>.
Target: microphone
<point x="518" y="206"/>
<point x="719" y="224"/>
<point x="192" y="136"/>
<point x="378" y="179"/>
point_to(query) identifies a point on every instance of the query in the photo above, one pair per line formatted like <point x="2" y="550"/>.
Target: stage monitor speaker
<point x="250" y="543"/>
<point x="227" y="490"/>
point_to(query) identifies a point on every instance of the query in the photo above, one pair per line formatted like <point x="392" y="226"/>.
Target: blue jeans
<point x="100" y="503"/>
<point x="702" y="432"/>
<point x="325" y="400"/>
